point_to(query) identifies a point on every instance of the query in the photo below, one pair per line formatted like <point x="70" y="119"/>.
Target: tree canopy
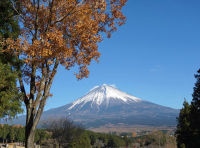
<point x="183" y="131"/>
<point x="10" y="102"/>
<point x="195" y="112"/>
<point x="64" y="31"/>
<point x="53" y="32"/>
<point x="188" y="127"/>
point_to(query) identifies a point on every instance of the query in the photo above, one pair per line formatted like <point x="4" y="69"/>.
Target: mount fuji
<point x="106" y="105"/>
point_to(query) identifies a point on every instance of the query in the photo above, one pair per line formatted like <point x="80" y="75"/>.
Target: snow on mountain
<point x="106" y="105"/>
<point x="102" y="96"/>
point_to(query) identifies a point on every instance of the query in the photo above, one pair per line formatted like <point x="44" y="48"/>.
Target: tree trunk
<point x="29" y="129"/>
<point x="29" y="142"/>
<point x="29" y="136"/>
<point x="35" y="106"/>
<point x="32" y="120"/>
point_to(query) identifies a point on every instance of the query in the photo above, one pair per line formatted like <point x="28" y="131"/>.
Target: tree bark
<point x="35" y="107"/>
<point x="32" y="120"/>
<point x="29" y="142"/>
<point x="29" y="129"/>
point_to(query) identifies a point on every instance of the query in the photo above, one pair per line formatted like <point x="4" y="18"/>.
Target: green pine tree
<point x="9" y="28"/>
<point x="8" y="20"/>
<point x="10" y="103"/>
<point x="183" y="131"/>
<point x="195" y="113"/>
<point x="5" y="132"/>
<point x="20" y="134"/>
<point x="12" y="134"/>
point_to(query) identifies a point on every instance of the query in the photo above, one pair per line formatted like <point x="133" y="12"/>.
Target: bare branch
<point x="50" y="15"/>
<point x="41" y="87"/>
<point x="36" y="20"/>
<point x="13" y="5"/>
<point x="80" y="3"/>
<point x="34" y="4"/>
<point x="25" y="98"/>
<point x="54" y="71"/>
<point x="70" y="12"/>
<point x="45" y="94"/>
<point x="61" y="19"/>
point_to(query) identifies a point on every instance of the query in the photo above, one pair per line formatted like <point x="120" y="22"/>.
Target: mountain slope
<point x="107" y="105"/>
<point x="103" y="97"/>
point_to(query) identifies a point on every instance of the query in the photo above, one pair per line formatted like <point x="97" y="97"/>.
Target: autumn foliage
<point x="65" y="30"/>
<point x="54" y="32"/>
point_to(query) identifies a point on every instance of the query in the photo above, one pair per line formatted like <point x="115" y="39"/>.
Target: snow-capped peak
<point x="102" y="95"/>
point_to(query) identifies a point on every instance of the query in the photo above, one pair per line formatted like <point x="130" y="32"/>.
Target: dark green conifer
<point x="10" y="103"/>
<point x="195" y="113"/>
<point x="183" y="131"/>
<point x="20" y="134"/>
<point x="8" y="20"/>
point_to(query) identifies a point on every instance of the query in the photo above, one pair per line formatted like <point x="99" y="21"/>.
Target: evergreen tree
<point x="195" y="113"/>
<point x="183" y="131"/>
<point x="5" y="132"/>
<point x="9" y="28"/>
<point x="20" y="134"/>
<point x="10" y="103"/>
<point x="188" y="128"/>
<point x="12" y="134"/>
<point x="8" y="23"/>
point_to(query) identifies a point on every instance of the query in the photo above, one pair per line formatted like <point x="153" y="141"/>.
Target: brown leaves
<point x="66" y="30"/>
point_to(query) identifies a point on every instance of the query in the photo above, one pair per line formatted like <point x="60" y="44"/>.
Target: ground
<point x="11" y="145"/>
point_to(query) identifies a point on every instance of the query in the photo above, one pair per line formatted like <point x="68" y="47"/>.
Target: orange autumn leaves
<point x="67" y="31"/>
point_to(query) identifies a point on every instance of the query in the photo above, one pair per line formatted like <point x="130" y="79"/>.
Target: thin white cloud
<point x="155" y="68"/>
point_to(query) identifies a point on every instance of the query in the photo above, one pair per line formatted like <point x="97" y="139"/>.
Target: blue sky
<point x="154" y="56"/>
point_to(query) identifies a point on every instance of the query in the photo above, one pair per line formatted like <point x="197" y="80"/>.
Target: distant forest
<point x="64" y="133"/>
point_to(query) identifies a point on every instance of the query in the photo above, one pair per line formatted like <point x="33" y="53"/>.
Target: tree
<point x="54" y="32"/>
<point x="67" y="133"/>
<point x="195" y="113"/>
<point x="5" y="132"/>
<point x="81" y="141"/>
<point x="115" y="141"/>
<point x="12" y="134"/>
<point x="20" y="134"/>
<point x="9" y="28"/>
<point x="10" y="103"/>
<point x="41" y="135"/>
<point x="183" y="131"/>
<point x="8" y="24"/>
<point x="188" y="128"/>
